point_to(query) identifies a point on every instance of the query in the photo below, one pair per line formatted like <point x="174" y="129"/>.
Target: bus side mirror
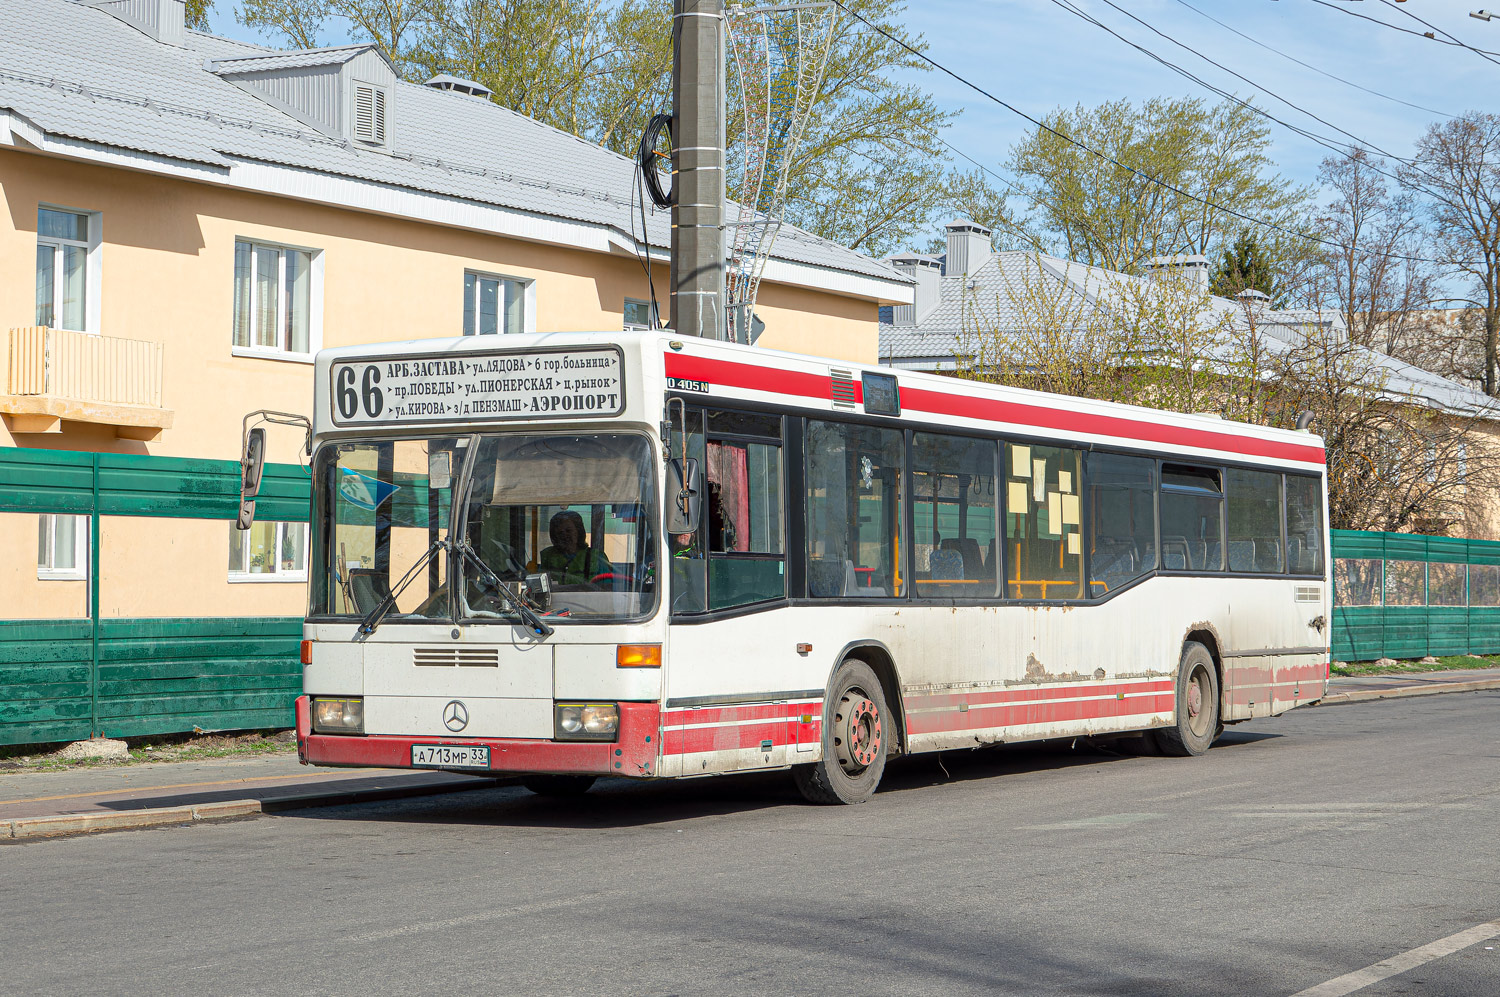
<point x="252" y="465"/>
<point x="682" y="495"/>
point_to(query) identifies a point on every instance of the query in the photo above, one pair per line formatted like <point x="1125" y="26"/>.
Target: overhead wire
<point x="1344" y="9"/>
<point x="1458" y="41"/>
<point x="1308" y="65"/>
<point x="1105" y="157"/>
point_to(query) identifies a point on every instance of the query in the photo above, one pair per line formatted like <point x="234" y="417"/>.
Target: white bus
<point x="567" y="556"/>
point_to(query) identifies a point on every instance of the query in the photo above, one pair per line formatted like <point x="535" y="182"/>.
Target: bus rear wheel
<point x="1197" y="707"/>
<point x="855" y="735"/>
<point x="558" y="785"/>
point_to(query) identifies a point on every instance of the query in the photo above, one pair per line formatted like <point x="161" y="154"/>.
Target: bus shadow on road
<point x="623" y="803"/>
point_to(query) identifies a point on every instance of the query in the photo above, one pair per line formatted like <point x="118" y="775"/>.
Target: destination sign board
<point x="479" y="387"/>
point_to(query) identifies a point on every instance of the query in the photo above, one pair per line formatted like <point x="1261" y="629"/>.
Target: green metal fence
<point x="72" y="678"/>
<point x="1403" y="595"/>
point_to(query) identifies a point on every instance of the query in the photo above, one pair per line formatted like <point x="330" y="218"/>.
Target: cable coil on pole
<point x="648" y="155"/>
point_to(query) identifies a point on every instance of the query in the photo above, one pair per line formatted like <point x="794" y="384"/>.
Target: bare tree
<point x="1456" y="171"/>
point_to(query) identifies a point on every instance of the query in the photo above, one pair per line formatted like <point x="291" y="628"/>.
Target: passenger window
<point x="1254" y="521"/>
<point x="686" y="550"/>
<point x="1304" y="524"/>
<point x="1122" y="518"/>
<point x="1192" y="518"/>
<point x="1043" y="523"/>
<point x="953" y="504"/>
<point x="853" y="511"/>
<point x="744" y="511"/>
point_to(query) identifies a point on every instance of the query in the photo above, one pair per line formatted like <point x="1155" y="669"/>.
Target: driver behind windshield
<point x="568" y="561"/>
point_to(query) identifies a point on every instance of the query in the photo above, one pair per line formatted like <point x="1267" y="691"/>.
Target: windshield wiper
<point x="384" y="606"/>
<point x="528" y="616"/>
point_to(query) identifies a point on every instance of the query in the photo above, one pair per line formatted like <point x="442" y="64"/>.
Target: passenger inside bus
<point x="570" y="561"/>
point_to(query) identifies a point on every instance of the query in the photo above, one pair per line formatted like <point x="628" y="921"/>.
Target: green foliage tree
<point x="197" y="13"/>
<point x="1243" y="266"/>
<point x="1085" y="208"/>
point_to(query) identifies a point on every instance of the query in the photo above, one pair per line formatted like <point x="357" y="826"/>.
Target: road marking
<point x="487" y="915"/>
<point x="1109" y="820"/>
<point x="1405" y="962"/>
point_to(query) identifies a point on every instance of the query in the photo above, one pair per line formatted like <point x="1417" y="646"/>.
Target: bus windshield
<point x="576" y="510"/>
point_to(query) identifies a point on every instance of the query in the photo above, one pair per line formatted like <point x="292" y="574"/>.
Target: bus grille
<point x="449" y="657"/>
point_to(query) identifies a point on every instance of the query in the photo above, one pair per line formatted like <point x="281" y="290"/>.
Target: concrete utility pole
<point x="697" y="281"/>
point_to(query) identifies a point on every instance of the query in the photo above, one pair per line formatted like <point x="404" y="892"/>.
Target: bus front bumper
<point x="632" y="754"/>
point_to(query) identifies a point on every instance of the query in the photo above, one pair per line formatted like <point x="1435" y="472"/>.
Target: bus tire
<point x="856" y="736"/>
<point x="1197" y="705"/>
<point x="558" y="785"/>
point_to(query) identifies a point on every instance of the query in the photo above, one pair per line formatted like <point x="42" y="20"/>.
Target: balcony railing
<point x="53" y="376"/>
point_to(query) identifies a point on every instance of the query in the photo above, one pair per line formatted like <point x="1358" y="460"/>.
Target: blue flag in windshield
<point x="365" y="491"/>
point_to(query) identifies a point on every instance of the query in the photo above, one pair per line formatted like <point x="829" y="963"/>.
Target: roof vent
<point x="443" y="81"/>
<point x="1253" y="294"/>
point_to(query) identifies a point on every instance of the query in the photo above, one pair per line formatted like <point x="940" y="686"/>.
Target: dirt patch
<point x="155" y="749"/>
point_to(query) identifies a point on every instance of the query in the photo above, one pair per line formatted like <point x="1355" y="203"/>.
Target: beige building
<point x="185" y="220"/>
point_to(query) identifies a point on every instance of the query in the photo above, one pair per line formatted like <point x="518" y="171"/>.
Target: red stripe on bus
<point x="729" y="714"/>
<point x="731" y="738"/>
<point x="738" y="375"/>
<point x="1032" y="693"/>
<point x="1039" y="713"/>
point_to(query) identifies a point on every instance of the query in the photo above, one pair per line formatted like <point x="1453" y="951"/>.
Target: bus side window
<point x="1254" y="521"/>
<point x="1192" y="518"/>
<point x="689" y="569"/>
<point x="1304" y="524"/>
<point x="1044" y="542"/>
<point x="953" y="506"/>
<point x="853" y="511"/>
<point x="743" y="512"/>
<point x="1122" y="521"/>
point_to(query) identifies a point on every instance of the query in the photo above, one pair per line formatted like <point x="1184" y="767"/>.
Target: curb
<point x="66" y="824"/>
<point x="1407" y="691"/>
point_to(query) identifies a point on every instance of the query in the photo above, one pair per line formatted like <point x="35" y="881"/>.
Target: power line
<point x="1343" y="9"/>
<point x="1456" y="39"/>
<point x="1333" y="145"/>
<point x="1308" y="65"/>
<point x="1043" y="126"/>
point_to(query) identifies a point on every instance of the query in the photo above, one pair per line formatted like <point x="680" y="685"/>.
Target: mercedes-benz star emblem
<point x="455" y="716"/>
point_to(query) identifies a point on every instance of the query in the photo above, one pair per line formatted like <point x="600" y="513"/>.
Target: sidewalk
<point x="40" y="804"/>
<point x="1361" y="688"/>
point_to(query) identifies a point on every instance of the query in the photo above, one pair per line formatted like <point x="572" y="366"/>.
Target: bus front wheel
<point x="1197" y="707"/>
<point x="855" y="733"/>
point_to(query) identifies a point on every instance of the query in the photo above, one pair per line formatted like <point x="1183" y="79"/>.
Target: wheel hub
<point x="857" y="732"/>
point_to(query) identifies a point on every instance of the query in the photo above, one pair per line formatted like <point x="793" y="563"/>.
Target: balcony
<point x="51" y="377"/>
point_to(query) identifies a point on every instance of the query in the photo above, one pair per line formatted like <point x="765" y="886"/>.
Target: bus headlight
<point x="338" y="716"/>
<point x="587" y="721"/>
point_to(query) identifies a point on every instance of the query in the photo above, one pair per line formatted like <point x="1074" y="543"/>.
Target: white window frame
<point x="314" y="302"/>
<point x="93" y="265"/>
<point x="244" y="574"/>
<point x="528" y="299"/>
<point x="636" y="326"/>
<point x="47" y="522"/>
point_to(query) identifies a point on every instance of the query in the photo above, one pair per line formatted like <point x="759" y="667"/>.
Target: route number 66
<point x="349" y="399"/>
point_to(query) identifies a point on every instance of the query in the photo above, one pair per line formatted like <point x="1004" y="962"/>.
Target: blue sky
<point x="1038" y="56"/>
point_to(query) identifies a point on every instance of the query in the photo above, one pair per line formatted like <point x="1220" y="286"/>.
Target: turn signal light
<point x="638" y="656"/>
<point x="307" y="652"/>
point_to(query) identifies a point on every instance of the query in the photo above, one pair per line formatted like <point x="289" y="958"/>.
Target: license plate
<point x="449" y="756"/>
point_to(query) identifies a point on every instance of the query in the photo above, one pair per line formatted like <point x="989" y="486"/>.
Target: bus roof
<point x="661" y="361"/>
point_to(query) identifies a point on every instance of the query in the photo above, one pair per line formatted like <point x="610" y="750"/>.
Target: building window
<point x="369" y="113"/>
<point x="273" y="299"/>
<point x="268" y="552"/>
<point x="639" y="316"/>
<point x="62" y="269"/>
<point x="493" y="305"/>
<point x="62" y="546"/>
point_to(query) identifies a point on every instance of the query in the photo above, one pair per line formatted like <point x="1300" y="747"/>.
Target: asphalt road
<point x="1299" y="850"/>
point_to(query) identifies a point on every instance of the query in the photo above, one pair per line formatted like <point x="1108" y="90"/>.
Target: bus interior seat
<point x="1213" y="555"/>
<point x="831" y="576"/>
<point x="1241" y="555"/>
<point x="368" y="586"/>
<point x="1267" y="555"/>
<point x="1174" y="553"/>
<point x="968" y="548"/>
<point x="945" y="564"/>
<point x="988" y="561"/>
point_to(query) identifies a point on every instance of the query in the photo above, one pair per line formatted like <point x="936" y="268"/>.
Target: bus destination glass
<point x="478" y="387"/>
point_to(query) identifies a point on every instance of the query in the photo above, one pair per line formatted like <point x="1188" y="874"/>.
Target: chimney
<point x="927" y="271"/>
<point x="968" y="248"/>
<point x="164" y="20"/>
<point x="1194" y="268"/>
